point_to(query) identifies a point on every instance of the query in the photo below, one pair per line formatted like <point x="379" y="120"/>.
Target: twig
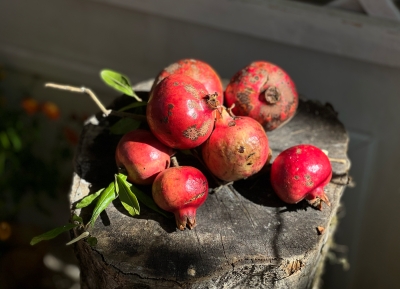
<point x="343" y="161"/>
<point x="334" y="160"/>
<point x="80" y="90"/>
<point x="81" y="236"/>
<point x="174" y="162"/>
<point x="88" y="91"/>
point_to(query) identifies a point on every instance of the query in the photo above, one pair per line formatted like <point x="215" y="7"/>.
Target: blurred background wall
<point x="346" y="58"/>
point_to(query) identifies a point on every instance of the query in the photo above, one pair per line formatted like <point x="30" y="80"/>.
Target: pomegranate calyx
<point x="212" y="100"/>
<point x="324" y="198"/>
<point x="225" y="116"/>
<point x="191" y="222"/>
<point x="317" y="201"/>
<point x="272" y="95"/>
<point x="185" y="219"/>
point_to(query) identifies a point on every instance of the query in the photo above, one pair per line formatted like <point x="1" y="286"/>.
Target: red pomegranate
<point x="142" y="155"/>
<point x="181" y="190"/>
<point x="180" y="112"/>
<point x="198" y="70"/>
<point x="237" y="148"/>
<point x="264" y="92"/>
<point x="301" y="172"/>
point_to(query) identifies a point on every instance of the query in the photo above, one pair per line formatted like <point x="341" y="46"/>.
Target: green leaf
<point x="148" y="202"/>
<point x="86" y="201"/>
<point x="122" y="176"/>
<point x="52" y="233"/>
<point x="76" y="218"/>
<point x="106" y="197"/>
<point x="133" y="105"/>
<point x="4" y="140"/>
<point x="119" y="82"/>
<point x="128" y="199"/>
<point x="92" y="241"/>
<point x="125" y="125"/>
<point x="14" y="138"/>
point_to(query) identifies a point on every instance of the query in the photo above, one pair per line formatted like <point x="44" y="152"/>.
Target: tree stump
<point x="245" y="237"/>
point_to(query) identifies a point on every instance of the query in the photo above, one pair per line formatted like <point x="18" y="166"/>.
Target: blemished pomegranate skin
<point x="142" y="155"/>
<point x="237" y="148"/>
<point x="180" y="112"/>
<point x="264" y="92"/>
<point x="301" y="172"/>
<point x="198" y="70"/>
<point x="181" y="190"/>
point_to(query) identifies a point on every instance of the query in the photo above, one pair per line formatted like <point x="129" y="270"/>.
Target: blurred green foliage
<point x="22" y="170"/>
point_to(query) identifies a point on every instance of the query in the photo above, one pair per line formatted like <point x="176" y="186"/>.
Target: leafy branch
<point x="88" y="91"/>
<point x="128" y="194"/>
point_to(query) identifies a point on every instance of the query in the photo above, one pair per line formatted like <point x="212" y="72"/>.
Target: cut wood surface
<point x="245" y="237"/>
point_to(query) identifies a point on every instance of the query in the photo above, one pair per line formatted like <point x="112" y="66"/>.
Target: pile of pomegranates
<point x="188" y="110"/>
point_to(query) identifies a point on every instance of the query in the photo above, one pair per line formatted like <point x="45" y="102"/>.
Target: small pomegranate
<point x="264" y="92"/>
<point x="142" y="155"/>
<point x="198" y="70"/>
<point x="180" y="112"/>
<point x="237" y="148"/>
<point x="301" y="172"/>
<point x="181" y="190"/>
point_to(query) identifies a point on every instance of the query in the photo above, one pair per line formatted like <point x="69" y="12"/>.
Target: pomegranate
<point x="180" y="112"/>
<point x="264" y="92"/>
<point x="181" y="190"/>
<point x="301" y="172"/>
<point x="198" y="70"/>
<point x="142" y="156"/>
<point x="237" y="148"/>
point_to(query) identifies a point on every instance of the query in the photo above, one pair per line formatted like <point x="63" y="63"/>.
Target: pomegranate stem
<point x="88" y="91"/>
<point x="174" y="161"/>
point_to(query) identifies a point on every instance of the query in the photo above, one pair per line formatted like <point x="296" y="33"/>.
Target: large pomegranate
<point x="142" y="156"/>
<point x="180" y="112"/>
<point x="264" y="92"/>
<point x="198" y="70"/>
<point x="181" y="190"/>
<point x="237" y="148"/>
<point x="301" y="172"/>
